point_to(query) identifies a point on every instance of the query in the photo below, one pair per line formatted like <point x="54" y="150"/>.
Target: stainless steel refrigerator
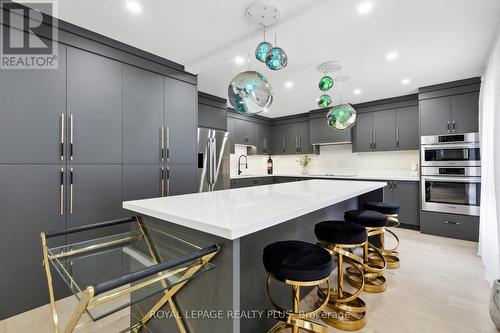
<point x="213" y="160"/>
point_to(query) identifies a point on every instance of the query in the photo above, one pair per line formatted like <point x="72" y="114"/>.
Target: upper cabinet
<point x="321" y="133"/>
<point x="291" y="138"/>
<point x="387" y="126"/>
<point x="450" y="108"/>
<point x="263" y="139"/>
<point x="212" y="111"/>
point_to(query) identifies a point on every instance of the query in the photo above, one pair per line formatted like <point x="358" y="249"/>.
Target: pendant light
<point x="263" y="48"/>
<point x="276" y="58"/>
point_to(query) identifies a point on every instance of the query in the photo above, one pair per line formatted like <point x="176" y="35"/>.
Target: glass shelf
<point x="123" y="254"/>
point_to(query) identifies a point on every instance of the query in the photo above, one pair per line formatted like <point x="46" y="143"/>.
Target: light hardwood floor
<point x="438" y="288"/>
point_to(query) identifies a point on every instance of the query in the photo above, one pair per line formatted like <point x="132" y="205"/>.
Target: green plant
<point x="304" y="161"/>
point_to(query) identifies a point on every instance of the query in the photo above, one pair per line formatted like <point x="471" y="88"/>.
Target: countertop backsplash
<point x="334" y="159"/>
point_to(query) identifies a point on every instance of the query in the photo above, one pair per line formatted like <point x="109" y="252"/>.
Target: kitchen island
<point x="232" y="297"/>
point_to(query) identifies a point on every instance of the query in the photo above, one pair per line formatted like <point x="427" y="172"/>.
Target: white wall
<point x="337" y="159"/>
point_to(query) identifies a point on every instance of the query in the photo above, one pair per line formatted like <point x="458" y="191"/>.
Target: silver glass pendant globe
<point x="276" y="59"/>
<point x="261" y="51"/>
<point x="250" y="93"/>
<point x="341" y="117"/>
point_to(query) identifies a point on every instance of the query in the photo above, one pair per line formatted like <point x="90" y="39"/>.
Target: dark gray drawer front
<point x="450" y="225"/>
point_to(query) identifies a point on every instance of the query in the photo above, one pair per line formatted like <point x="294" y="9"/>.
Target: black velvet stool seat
<point x="298" y="264"/>
<point x="347" y="311"/>
<point x="391" y="211"/>
<point x="373" y="256"/>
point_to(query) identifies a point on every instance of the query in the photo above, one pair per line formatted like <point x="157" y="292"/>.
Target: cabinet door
<point x="320" y="132"/>
<point x="240" y="132"/>
<point x="406" y="195"/>
<point x="290" y="134"/>
<point x="407" y="137"/>
<point x="278" y="140"/>
<point x="181" y="121"/>
<point x="251" y="133"/>
<point x="263" y="139"/>
<point x="32" y="108"/>
<point x="142" y="115"/>
<point x="384" y="130"/>
<point x="95" y="102"/>
<point x="363" y="132"/>
<point x="435" y="116"/>
<point x="231" y="128"/>
<point x="389" y="191"/>
<point x="465" y="113"/>
<point x="141" y="181"/>
<point x="97" y="197"/>
<point x="305" y="146"/>
<point x="30" y="202"/>
<point x="182" y="179"/>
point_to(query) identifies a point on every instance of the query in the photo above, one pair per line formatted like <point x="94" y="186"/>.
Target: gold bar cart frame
<point x="89" y="299"/>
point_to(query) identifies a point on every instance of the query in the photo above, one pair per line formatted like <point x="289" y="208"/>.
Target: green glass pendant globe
<point x="261" y="51"/>
<point x="276" y="59"/>
<point x="341" y="116"/>
<point x="324" y="101"/>
<point x="250" y="93"/>
<point x="325" y="83"/>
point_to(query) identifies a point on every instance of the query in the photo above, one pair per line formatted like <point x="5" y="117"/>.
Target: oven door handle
<point x="453" y="179"/>
<point x="451" y="146"/>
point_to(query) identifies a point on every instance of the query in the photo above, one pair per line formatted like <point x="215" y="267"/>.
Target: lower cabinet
<point x="450" y="225"/>
<point x="30" y="202"/>
<point x="141" y="181"/>
<point x="182" y="179"/>
<point x="406" y="194"/>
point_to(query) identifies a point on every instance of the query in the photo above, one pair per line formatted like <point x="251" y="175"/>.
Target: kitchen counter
<point x="238" y="212"/>
<point x="354" y="176"/>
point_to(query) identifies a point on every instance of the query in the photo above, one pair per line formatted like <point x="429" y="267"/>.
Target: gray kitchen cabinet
<point x="97" y="197"/>
<point x="32" y="109"/>
<point x="231" y="128"/>
<point x="303" y="137"/>
<point x="241" y="182"/>
<point x="94" y="93"/>
<point x="406" y="194"/>
<point x="141" y="181"/>
<point x="435" y="116"/>
<point x="278" y="143"/>
<point x="251" y="133"/>
<point x="240" y="132"/>
<point x="181" y="121"/>
<point x="320" y="132"/>
<point x="407" y="137"/>
<point x="290" y="139"/>
<point x="181" y="179"/>
<point x="465" y="113"/>
<point x="142" y="116"/>
<point x="450" y="225"/>
<point x="384" y="133"/>
<point x="263" y="139"/>
<point x="30" y="202"/>
<point x="263" y="181"/>
<point x="363" y="132"/>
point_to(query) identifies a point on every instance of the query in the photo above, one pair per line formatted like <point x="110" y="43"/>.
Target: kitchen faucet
<point x="239" y="163"/>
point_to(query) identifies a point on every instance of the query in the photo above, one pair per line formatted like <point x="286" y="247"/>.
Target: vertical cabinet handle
<point x="71" y="191"/>
<point x="397" y="138"/>
<point x="167" y="136"/>
<point x="300" y="144"/>
<point x="162" y="143"/>
<point x="168" y="181"/>
<point x="61" y="192"/>
<point x="370" y="138"/>
<point x="71" y="136"/>
<point x="62" y="137"/>
<point x="374" y="140"/>
<point x="162" y="181"/>
<point x="454" y="126"/>
<point x="283" y="144"/>
<point x="448" y="127"/>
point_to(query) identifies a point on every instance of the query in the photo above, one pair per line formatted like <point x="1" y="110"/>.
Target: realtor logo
<point x="28" y="31"/>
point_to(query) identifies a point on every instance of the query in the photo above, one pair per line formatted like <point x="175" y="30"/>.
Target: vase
<point x="304" y="170"/>
<point x="495" y="303"/>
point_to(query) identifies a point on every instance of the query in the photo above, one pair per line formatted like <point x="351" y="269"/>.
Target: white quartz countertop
<point x="234" y="213"/>
<point x="339" y="176"/>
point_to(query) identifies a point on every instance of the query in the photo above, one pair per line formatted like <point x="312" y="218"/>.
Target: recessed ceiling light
<point x="357" y="91"/>
<point x="134" y="7"/>
<point x="239" y="60"/>
<point x="391" y="55"/>
<point x="405" y="81"/>
<point x="364" y="7"/>
<point x="289" y="84"/>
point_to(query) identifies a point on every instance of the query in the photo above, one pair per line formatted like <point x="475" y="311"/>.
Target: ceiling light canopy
<point x="365" y="7"/>
<point x="392" y="55"/>
<point x="134" y="7"/>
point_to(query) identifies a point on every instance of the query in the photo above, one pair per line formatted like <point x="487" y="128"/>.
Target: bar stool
<point x="373" y="258"/>
<point x="391" y="211"/>
<point x="348" y="310"/>
<point x="297" y="264"/>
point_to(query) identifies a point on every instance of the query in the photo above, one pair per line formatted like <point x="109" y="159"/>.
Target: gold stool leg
<point x="346" y="311"/>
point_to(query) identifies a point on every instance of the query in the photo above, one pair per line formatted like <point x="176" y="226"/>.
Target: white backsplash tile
<point x="338" y="159"/>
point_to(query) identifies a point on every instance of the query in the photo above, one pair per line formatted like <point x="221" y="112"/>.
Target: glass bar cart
<point x="111" y="273"/>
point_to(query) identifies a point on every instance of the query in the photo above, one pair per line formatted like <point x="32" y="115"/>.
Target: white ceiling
<point x="437" y="41"/>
